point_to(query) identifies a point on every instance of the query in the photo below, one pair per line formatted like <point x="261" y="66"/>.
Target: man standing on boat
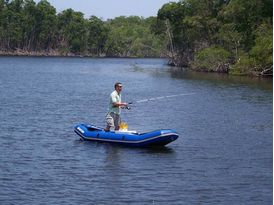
<point x="115" y="104"/>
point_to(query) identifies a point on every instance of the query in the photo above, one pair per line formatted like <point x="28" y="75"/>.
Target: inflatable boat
<point x="129" y="138"/>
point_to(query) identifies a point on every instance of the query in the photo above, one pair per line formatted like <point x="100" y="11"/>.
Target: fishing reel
<point x="126" y="107"/>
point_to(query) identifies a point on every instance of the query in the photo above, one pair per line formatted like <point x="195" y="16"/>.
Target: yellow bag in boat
<point x="123" y="126"/>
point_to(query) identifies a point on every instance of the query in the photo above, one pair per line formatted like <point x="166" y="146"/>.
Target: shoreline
<point x="54" y="53"/>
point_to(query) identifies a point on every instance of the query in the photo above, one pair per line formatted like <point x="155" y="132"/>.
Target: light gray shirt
<point x="114" y="98"/>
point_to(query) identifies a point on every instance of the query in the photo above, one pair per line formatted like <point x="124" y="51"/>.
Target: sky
<point x="109" y="9"/>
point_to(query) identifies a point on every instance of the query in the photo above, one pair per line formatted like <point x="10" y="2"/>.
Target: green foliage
<point x="262" y="51"/>
<point x="131" y="36"/>
<point x="259" y="59"/>
<point x="97" y="36"/>
<point x="208" y="35"/>
<point x="31" y="27"/>
<point x="229" y="36"/>
<point x="243" y="65"/>
<point x="46" y="25"/>
<point x="72" y="30"/>
<point x="211" y="59"/>
<point x="235" y="25"/>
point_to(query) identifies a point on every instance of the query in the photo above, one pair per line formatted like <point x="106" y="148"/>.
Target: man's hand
<point x="124" y="104"/>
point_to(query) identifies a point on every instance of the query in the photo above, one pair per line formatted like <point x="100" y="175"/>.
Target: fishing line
<point x="160" y="97"/>
<point x="152" y="99"/>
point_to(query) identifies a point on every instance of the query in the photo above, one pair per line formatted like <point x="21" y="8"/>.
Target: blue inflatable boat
<point x="129" y="138"/>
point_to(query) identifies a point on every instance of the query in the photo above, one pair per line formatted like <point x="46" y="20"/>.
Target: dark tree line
<point x="29" y="27"/>
<point x="232" y="36"/>
<point x="219" y="35"/>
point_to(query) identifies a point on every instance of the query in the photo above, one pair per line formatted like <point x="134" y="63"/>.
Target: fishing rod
<point x="157" y="98"/>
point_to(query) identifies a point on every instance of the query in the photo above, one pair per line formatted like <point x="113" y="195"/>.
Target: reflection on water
<point x="112" y="150"/>
<point x="160" y="150"/>
<point x="221" y="78"/>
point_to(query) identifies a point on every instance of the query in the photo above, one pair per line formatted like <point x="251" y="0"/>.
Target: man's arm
<point x="117" y="104"/>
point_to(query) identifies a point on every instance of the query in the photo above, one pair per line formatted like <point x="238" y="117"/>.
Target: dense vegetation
<point x="232" y="36"/>
<point x="30" y="28"/>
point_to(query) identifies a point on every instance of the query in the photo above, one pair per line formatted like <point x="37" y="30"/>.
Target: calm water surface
<point x="223" y="154"/>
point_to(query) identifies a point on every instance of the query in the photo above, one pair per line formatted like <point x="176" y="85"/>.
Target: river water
<point x="223" y="154"/>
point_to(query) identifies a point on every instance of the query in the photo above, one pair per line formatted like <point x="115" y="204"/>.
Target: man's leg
<point x="107" y="129"/>
<point x="117" y="127"/>
<point x="110" y="122"/>
<point x="117" y="121"/>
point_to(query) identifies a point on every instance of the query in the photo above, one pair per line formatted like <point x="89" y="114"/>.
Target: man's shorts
<point x="113" y="119"/>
